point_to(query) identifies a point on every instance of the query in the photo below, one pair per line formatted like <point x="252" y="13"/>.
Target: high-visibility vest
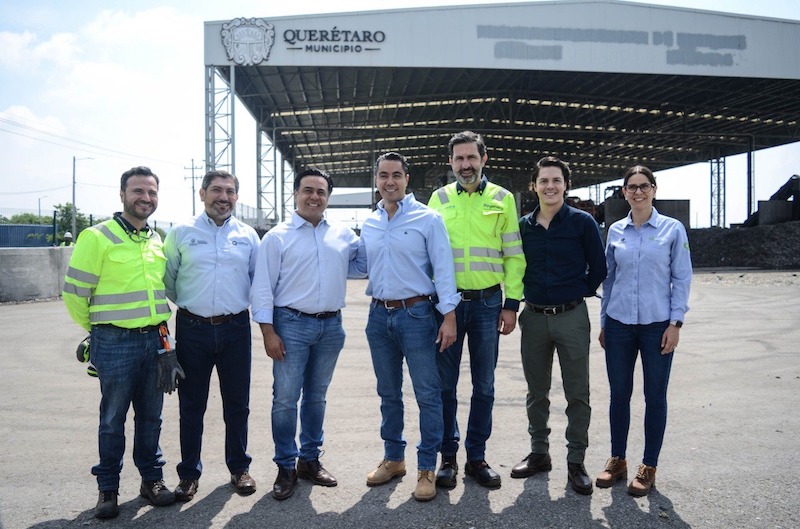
<point x="484" y="235"/>
<point x="115" y="279"/>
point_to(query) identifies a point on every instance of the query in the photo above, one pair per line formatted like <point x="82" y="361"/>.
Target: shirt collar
<point x="400" y="205"/>
<point x="298" y="221"/>
<point x="654" y="220"/>
<point x="210" y="222"/>
<point x="481" y="187"/>
<point x="127" y="226"/>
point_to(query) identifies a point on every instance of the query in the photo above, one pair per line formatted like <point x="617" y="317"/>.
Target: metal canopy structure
<point x="339" y="118"/>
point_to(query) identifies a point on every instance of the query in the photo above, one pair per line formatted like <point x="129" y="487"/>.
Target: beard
<point x="131" y="210"/>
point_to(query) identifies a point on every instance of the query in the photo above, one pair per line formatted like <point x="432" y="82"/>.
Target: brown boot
<point x="643" y="482"/>
<point x="426" y="486"/>
<point x="386" y="472"/>
<point x="616" y="469"/>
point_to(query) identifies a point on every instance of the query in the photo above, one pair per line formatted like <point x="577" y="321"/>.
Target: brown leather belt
<point x="552" y="310"/>
<point x="213" y="320"/>
<point x="400" y="303"/>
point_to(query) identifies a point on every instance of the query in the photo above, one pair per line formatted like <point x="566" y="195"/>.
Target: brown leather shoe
<point x="616" y="469"/>
<point x="186" y="489"/>
<point x="284" y="483"/>
<point x="426" y="486"/>
<point x="243" y="483"/>
<point x="386" y="472"/>
<point x="643" y="482"/>
<point x="314" y="471"/>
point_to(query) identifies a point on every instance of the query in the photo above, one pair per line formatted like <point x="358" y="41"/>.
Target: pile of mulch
<point x="774" y="247"/>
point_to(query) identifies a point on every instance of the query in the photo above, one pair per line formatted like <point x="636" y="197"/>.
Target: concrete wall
<point x="32" y="273"/>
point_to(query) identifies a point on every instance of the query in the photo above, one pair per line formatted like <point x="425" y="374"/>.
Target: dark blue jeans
<point x="623" y="345"/>
<point x="312" y="349"/>
<point x="200" y="347"/>
<point x="477" y="321"/>
<point x="410" y="334"/>
<point x="126" y="366"/>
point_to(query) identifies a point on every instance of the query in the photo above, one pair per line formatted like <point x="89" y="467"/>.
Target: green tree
<point x="30" y="218"/>
<point x="64" y="221"/>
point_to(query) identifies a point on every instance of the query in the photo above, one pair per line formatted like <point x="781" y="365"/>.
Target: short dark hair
<point x="394" y="156"/>
<point x="140" y="170"/>
<point x="552" y="161"/>
<point x="466" y="136"/>
<point x="639" y="169"/>
<point x="313" y="172"/>
<point x="211" y="175"/>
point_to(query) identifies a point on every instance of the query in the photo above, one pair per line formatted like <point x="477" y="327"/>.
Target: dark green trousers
<point x="569" y="334"/>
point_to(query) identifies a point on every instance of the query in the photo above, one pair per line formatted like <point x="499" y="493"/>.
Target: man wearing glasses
<point x="565" y="264"/>
<point x="114" y="288"/>
<point x="211" y="261"/>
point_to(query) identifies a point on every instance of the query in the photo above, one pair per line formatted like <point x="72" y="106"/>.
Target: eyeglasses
<point x="644" y="188"/>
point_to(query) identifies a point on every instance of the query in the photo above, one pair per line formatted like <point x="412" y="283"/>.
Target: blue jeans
<point x="201" y="346"/>
<point x="623" y="344"/>
<point x="312" y="349"/>
<point x="394" y="334"/>
<point x="477" y="320"/>
<point x="126" y="366"/>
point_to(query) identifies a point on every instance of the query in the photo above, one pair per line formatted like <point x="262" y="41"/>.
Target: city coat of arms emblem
<point x="248" y="41"/>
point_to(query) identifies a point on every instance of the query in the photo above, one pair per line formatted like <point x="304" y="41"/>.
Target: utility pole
<point x="193" y="178"/>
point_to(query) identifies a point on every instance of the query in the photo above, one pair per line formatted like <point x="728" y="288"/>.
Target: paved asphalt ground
<point x="730" y="458"/>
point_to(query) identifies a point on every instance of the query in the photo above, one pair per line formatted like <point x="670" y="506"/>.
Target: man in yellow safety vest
<point x="114" y="288"/>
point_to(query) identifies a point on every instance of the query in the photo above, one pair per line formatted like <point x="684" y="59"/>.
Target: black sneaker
<point x="106" y="505"/>
<point x="157" y="493"/>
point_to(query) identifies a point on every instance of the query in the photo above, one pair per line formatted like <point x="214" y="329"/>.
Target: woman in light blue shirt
<point x="645" y="297"/>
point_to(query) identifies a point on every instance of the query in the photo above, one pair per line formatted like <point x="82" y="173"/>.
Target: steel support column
<point x="717" y="192"/>
<point x="219" y="104"/>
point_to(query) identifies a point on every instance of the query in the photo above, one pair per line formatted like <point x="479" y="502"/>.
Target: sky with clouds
<point x="117" y="84"/>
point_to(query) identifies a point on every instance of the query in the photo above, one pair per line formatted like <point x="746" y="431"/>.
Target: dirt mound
<point x="774" y="247"/>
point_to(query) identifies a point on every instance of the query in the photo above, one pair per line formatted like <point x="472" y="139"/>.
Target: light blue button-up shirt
<point x="210" y="267"/>
<point x="406" y="253"/>
<point x="305" y="268"/>
<point x="649" y="271"/>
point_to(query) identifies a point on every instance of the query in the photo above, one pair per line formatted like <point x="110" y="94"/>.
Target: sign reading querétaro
<point x="333" y="40"/>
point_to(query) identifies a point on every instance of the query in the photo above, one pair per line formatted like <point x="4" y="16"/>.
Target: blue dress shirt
<point x="305" y="267"/>
<point x="565" y="261"/>
<point x="406" y="253"/>
<point x="210" y="267"/>
<point x="649" y="271"/>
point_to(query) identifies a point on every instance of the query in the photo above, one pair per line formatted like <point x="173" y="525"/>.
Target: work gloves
<point x="169" y="371"/>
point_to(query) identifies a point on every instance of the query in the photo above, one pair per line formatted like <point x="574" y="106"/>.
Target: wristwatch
<point x="676" y="323"/>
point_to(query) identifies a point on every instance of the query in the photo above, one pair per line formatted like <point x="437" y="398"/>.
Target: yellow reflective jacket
<point x="113" y="279"/>
<point x="484" y="235"/>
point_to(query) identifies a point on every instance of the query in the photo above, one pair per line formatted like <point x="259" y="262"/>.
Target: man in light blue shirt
<point x="297" y="294"/>
<point x="210" y="265"/>
<point x="407" y="246"/>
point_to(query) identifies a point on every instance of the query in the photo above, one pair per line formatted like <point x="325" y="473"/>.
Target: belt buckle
<point x="386" y="304"/>
<point x="549" y="311"/>
<point x="215" y="320"/>
<point x="465" y="298"/>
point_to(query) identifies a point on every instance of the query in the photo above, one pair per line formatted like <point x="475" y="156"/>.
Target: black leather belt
<point x="213" y="320"/>
<point x="552" y="310"/>
<point x="317" y="315"/>
<point x="469" y="295"/>
<point x="400" y="303"/>
<point x="142" y="330"/>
